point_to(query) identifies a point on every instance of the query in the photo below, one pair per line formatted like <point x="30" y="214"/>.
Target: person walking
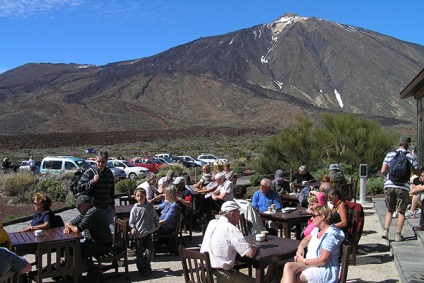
<point x="397" y="166"/>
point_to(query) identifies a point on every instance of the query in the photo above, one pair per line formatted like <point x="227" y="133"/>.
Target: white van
<point x="58" y="164"/>
<point x="163" y="155"/>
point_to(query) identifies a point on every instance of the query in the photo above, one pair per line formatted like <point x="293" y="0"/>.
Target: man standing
<point x="397" y="186"/>
<point x="31" y="163"/>
<point x="223" y="240"/>
<point x="99" y="184"/>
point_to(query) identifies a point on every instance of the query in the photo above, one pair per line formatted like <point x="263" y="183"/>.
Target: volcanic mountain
<point x="259" y="77"/>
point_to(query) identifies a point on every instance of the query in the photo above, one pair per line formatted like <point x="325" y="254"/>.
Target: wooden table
<point x="272" y="250"/>
<point x="123" y="211"/>
<point x="288" y="220"/>
<point x="26" y="242"/>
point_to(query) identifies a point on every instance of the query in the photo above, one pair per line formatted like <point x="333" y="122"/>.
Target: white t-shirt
<point x="150" y="190"/>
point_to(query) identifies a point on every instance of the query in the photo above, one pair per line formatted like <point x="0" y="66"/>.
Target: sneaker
<point x="418" y="212"/>
<point x="395" y="214"/>
<point x="398" y="238"/>
<point x="385" y="234"/>
<point x="409" y="214"/>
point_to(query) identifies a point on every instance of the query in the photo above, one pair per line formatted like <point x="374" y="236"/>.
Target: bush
<point x="55" y="189"/>
<point x="126" y="186"/>
<point x="255" y="179"/>
<point x="375" y="186"/>
<point x="178" y="169"/>
<point x="17" y="185"/>
<point x="237" y="167"/>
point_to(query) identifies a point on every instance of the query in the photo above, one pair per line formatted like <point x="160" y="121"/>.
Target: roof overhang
<point x="415" y="88"/>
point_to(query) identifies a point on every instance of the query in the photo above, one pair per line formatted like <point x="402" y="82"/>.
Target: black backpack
<point x="399" y="170"/>
<point x="75" y="179"/>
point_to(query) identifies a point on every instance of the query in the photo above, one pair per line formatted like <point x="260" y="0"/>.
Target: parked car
<point x="177" y="160"/>
<point x="191" y="159"/>
<point x="24" y="167"/>
<point x="163" y="155"/>
<point x="130" y="169"/>
<point x="210" y="158"/>
<point x="118" y="173"/>
<point x="146" y="162"/>
<point x="161" y="161"/>
<point x="58" y="164"/>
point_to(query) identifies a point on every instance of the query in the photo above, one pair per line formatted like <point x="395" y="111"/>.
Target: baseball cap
<point x="405" y="139"/>
<point x="279" y="174"/>
<point x="229" y="206"/>
<point x="178" y="180"/>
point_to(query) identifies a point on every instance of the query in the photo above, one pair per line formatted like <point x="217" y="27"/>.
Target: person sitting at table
<point x="43" y="218"/>
<point x="263" y="199"/>
<point x="206" y="201"/>
<point x="223" y="240"/>
<point x="169" y="211"/>
<point x="336" y="176"/>
<point x="166" y="181"/>
<point x="314" y="201"/>
<point x="339" y="211"/>
<point x="280" y="185"/>
<point x="95" y="227"/>
<point x="321" y="262"/>
<point x="228" y="173"/>
<point x="184" y="198"/>
<point x="224" y="192"/>
<point x="253" y="220"/>
<point x="206" y="177"/>
<point x="301" y="177"/>
<point x="143" y="222"/>
<point x="153" y="195"/>
<point x="11" y="261"/>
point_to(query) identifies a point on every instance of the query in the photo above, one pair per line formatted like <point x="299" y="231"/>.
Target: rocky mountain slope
<point x="263" y="76"/>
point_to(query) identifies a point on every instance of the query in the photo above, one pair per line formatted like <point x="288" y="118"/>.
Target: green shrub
<point x="255" y="179"/>
<point x="178" y="169"/>
<point x="17" y="185"/>
<point x="126" y="186"/>
<point x="375" y="186"/>
<point x="237" y="167"/>
<point x="55" y="189"/>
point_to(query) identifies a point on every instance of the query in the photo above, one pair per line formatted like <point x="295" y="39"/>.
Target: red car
<point x="146" y="162"/>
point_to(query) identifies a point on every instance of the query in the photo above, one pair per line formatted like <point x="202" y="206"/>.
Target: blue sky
<point x="104" y="31"/>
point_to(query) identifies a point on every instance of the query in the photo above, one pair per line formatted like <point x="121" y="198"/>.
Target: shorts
<point x="312" y="274"/>
<point x="396" y="198"/>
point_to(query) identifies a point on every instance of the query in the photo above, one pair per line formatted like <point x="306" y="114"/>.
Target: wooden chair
<point x="126" y="200"/>
<point x="56" y="259"/>
<point x="242" y="225"/>
<point x="354" y="183"/>
<point x="174" y="237"/>
<point x="191" y="213"/>
<point x="356" y="218"/>
<point x="345" y="258"/>
<point x="119" y="249"/>
<point x="196" y="266"/>
<point x="9" y="277"/>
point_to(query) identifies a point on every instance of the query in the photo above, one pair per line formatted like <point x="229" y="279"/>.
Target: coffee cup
<point x="270" y="209"/>
<point x="259" y="238"/>
<point x="304" y="182"/>
<point x="38" y="233"/>
<point x="265" y="234"/>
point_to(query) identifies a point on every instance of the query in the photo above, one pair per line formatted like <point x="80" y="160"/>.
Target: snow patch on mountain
<point x="281" y="23"/>
<point x="339" y="98"/>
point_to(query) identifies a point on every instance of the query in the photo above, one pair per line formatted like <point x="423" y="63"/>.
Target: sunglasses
<point x="315" y="215"/>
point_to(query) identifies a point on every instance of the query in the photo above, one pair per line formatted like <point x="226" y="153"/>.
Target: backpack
<point x="303" y="196"/>
<point x="73" y="187"/>
<point x="399" y="171"/>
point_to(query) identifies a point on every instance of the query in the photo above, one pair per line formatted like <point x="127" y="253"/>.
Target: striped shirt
<point x="103" y="191"/>
<point x="95" y="226"/>
<point x="413" y="163"/>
